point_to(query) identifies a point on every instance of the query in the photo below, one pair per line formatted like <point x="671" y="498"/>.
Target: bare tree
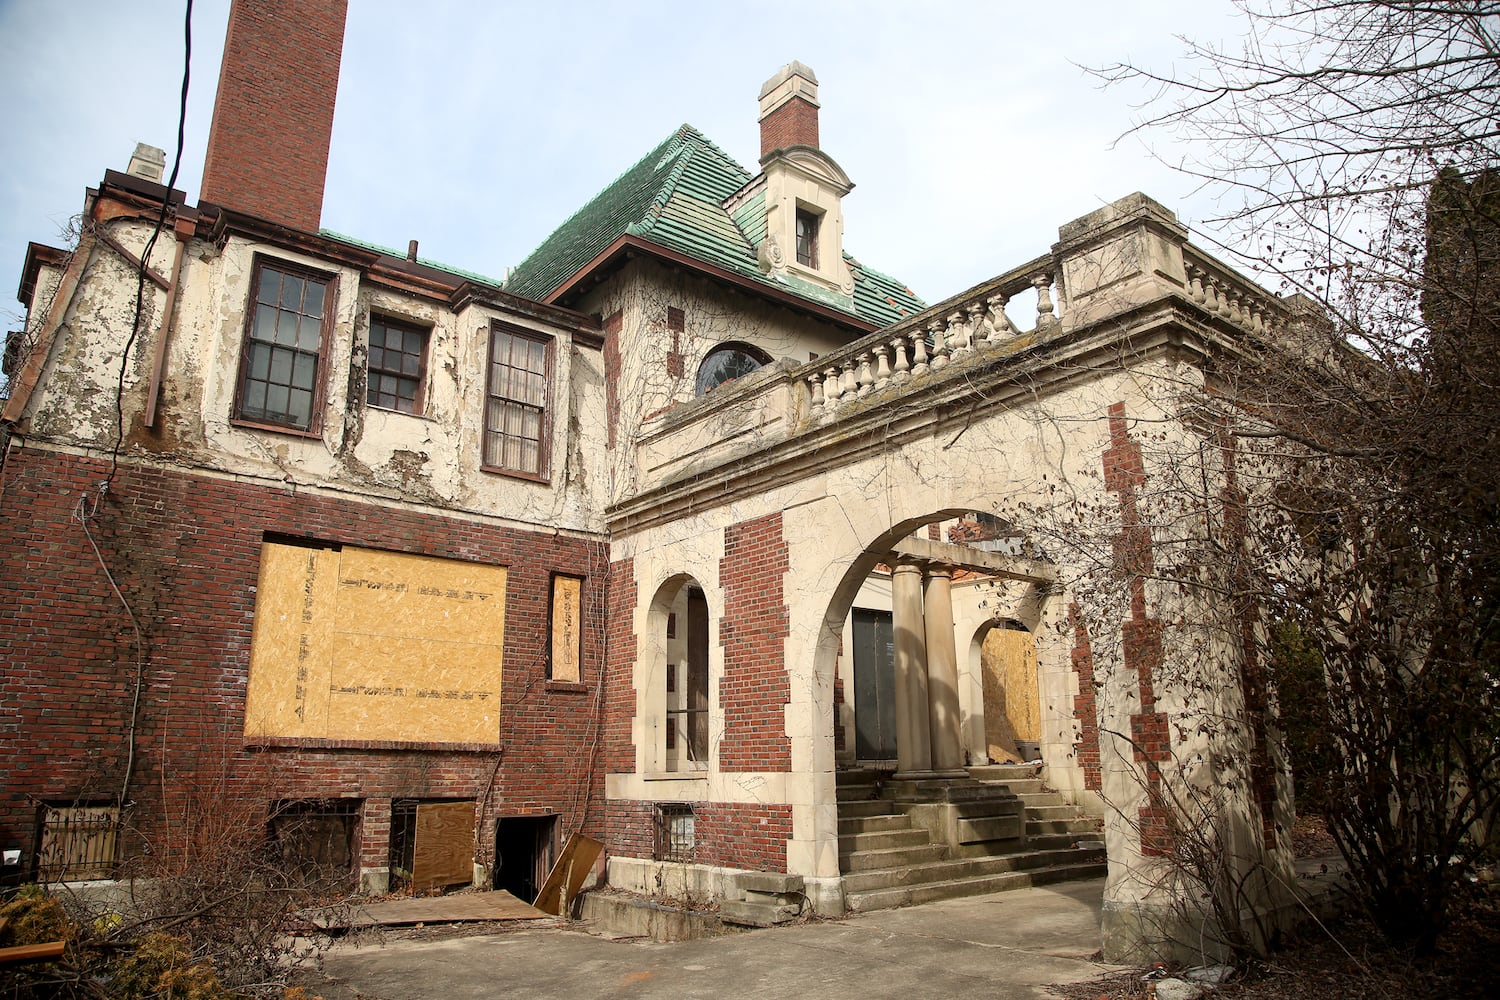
<point x="1356" y="149"/>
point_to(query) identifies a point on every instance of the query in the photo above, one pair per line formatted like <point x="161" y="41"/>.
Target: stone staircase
<point x="890" y="860"/>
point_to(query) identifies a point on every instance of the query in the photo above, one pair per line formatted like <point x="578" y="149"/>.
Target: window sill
<point x="529" y="477"/>
<point x="675" y="775"/>
<point x="568" y="687"/>
<point x="251" y="425"/>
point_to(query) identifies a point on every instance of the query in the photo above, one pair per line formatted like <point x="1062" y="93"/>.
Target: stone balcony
<point x="1124" y="277"/>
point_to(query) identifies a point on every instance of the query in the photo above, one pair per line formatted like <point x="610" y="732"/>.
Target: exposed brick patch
<point x="1085" y="703"/>
<point x="754" y="689"/>
<point x="185" y="552"/>
<point x="1124" y="474"/>
<point x="677" y="326"/>
<point x="273" y="116"/>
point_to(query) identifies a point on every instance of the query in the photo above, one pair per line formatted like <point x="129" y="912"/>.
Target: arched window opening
<point x="726" y="363"/>
<point x="686" y="692"/>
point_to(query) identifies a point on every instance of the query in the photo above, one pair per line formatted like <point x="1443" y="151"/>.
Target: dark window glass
<point x="282" y="348"/>
<point x="394" y="377"/>
<point x="729" y="361"/>
<point x="807" y="238"/>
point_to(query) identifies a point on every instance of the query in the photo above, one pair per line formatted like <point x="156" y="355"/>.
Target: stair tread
<point x="932" y="891"/>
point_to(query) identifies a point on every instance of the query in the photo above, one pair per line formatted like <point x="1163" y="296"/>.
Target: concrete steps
<point x="888" y="862"/>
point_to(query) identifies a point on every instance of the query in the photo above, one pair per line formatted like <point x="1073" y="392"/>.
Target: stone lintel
<point x="964" y="557"/>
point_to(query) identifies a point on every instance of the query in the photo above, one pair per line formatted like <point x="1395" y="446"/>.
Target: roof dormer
<point x="803" y="186"/>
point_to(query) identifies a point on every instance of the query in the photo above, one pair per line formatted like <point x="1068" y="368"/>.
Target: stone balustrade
<point x="948" y="333"/>
<point x="1226" y="293"/>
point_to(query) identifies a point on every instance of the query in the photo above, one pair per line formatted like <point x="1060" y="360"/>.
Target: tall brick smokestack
<point x="273" y="116"/>
<point x="789" y="109"/>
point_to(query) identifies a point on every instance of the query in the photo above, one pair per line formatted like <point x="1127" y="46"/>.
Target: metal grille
<point x="77" y="843"/>
<point x="675" y="832"/>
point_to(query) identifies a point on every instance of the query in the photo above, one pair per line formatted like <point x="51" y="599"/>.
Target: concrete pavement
<point x="1005" y="945"/>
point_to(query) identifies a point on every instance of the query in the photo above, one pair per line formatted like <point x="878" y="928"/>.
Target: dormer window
<point x="807" y="238"/>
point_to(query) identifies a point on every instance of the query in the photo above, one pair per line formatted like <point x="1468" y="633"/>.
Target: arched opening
<point x="676" y="706"/>
<point x="727" y="362"/>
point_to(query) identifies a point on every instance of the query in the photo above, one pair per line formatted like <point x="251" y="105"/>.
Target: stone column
<point x="913" y="739"/>
<point x="942" y="674"/>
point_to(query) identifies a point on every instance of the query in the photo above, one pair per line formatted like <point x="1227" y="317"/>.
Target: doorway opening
<point x="525" y="850"/>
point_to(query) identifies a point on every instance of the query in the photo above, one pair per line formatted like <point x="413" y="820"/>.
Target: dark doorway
<point x="697" y="675"/>
<point x="524" y="852"/>
<point x="874" y="686"/>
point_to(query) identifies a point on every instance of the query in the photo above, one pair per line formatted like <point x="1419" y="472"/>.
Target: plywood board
<point x="571" y="871"/>
<point x="452" y="908"/>
<point x="359" y="644"/>
<point x="1012" y="700"/>
<point x="443" y="850"/>
<point x="567" y="627"/>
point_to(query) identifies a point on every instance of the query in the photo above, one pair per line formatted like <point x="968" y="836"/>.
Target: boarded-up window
<point x="567" y="628"/>
<point x="359" y="644"/>
<point x="443" y="849"/>
<point x="76" y="843"/>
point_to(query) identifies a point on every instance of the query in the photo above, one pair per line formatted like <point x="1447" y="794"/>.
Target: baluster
<point x="1234" y="307"/>
<point x="849" y="384"/>
<point x="815" y="384"/>
<point x="980" y="330"/>
<point x="866" y="376"/>
<point x="1257" y="323"/>
<point x="1211" y="296"/>
<point x="882" y="367"/>
<point x="939" y="345"/>
<point x="1197" y="287"/>
<point x="919" y="363"/>
<point x="960" y="335"/>
<point x="1042" y="282"/>
<point x="831" y="390"/>
<point x="1000" y="324"/>
<point x="903" y="367"/>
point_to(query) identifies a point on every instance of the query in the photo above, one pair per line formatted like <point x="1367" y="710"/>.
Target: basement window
<point x="281" y="360"/>
<point x="396" y="365"/>
<point x="316" y="835"/>
<point x="675" y="832"/>
<point x="76" y="842"/>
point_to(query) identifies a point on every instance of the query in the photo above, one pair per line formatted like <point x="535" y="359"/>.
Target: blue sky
<point x="969" y="129"/>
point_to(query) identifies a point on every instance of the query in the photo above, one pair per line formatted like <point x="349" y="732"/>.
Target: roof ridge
<point x="682" y="152"/>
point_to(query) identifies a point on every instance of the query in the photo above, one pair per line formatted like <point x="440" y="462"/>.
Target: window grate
<point x="675" y="832"/>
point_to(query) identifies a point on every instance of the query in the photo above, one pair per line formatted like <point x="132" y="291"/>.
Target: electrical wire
<point x="161" y="222"/>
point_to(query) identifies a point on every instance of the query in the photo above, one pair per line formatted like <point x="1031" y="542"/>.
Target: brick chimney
<point x="789" y="109"/>
<point x="273" y="116"/>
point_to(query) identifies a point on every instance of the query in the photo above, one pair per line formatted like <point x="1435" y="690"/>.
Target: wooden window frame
<point x="814" y="226"/>
<point x="543" y="474"/>
<point x="419" y="399"/>
<point x="330" y="282"/>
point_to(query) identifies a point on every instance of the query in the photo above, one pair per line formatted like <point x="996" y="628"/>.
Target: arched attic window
<point x="728" y="361"/>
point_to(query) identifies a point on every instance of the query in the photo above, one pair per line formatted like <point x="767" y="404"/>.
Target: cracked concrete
<point x="1007" y="945"/>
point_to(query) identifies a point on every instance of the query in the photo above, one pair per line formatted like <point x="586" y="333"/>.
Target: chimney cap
<point x="147" y="162"/>
<point x="791" y="69"/>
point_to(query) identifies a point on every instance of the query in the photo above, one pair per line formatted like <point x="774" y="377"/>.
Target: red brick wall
<point x="184" y="551"/>
<point x="727" y="834"/>
<point x="754" y="689"/>
<point x="619" y="668"/>
<point x="273" y="116"/>
<point x="795" y="123"/>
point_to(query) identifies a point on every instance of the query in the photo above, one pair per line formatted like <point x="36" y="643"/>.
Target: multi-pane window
<point x="807" y="238"/>
<point x="515" y="413"/>
<point x="394" y="377"/>
<point x="280" y="366"/>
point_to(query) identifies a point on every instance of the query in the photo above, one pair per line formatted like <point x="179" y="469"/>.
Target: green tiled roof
<point x="674" y="198"/>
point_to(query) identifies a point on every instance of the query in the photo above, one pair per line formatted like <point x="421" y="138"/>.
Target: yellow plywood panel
<point x="387" y="688"/>
<point x="567" y="627"/>
<point x="287" y="694"/>
<point x="364" y="645"/>
<point x="385" y="593"/>
<point x="1012" y="700"/>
